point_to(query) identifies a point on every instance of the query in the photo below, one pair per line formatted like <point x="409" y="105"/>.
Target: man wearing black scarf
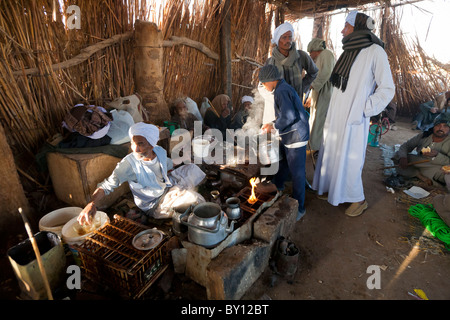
<point x="363" y="88"/>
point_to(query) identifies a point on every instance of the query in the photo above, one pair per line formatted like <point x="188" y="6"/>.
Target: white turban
<point x="280" y="30"/>
<point x="351" y="17"/>
<point x="247" y="99"/>
<point x="146" y="130"/>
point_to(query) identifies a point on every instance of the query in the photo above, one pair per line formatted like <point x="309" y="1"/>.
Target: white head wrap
<point x="351" y="17"/>
<point x="247" y="99"/>
<point x="280" y="30"/>
<point x="148" y="131"/>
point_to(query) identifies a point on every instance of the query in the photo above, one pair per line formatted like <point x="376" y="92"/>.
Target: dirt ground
<point x="336" y="251"/>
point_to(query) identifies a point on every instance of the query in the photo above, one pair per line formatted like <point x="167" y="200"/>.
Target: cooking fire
<point x="252" y="199"/>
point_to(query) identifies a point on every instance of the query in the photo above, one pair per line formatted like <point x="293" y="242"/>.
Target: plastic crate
<point x="108" y="258"/>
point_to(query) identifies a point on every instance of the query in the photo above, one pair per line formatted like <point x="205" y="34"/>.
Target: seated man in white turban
<point x="240" y="118"/>
<point x="145" y="170"/>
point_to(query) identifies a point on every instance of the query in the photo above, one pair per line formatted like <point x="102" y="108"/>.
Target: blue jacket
<point x="291" y="117"/>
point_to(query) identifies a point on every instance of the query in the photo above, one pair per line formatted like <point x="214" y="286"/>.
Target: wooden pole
<point x="279" y="16"/>
<point x="149" y="77"/>
<point x="12" y="194"/>
<point x="319" y="23"/>
<point x="409" y="164"/>
<point x="225" y="50"/>
<point x="85" y="54"/>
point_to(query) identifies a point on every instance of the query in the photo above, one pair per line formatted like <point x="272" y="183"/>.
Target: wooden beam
<point x="85" y="54"/>
<point x="279" y="16"/>
<point x="174" y="40"/>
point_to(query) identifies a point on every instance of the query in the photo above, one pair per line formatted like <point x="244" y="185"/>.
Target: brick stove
<point x="230" y="268"/>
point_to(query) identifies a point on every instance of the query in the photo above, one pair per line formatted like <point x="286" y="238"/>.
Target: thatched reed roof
<point x="297" y="9"/>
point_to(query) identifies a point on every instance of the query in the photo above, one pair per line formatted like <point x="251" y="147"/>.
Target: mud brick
<point x="278" y="220"/>
<point x="235" y="270"/>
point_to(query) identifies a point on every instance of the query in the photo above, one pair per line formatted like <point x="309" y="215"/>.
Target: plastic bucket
<point x="72" y="232"/>
<point x="26" y="268"/>
<point x="55" y="220"/>
<point x="373" y="140"/>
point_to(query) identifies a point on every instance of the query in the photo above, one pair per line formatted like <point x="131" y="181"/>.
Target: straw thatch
<point x="250" y="37"/>
<point x="33" y="106"/>
<point x="418" y="78"/>
<point x="39" y="84"/>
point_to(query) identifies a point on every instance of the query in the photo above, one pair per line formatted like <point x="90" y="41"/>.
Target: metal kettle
<point x="207" y="224"/>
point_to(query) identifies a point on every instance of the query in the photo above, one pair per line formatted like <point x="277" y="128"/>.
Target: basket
<point x="109" y="258"/>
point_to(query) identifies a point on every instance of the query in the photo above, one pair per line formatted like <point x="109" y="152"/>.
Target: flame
<point x="252" y="199"/>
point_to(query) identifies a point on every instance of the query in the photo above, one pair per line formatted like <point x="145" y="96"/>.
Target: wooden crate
<point x="75" y="177"/>
<point x="108" y="258"/>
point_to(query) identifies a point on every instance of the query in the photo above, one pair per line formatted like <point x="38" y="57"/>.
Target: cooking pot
<point x="207" y="224"/>
<point x="177" y="227"/>
<point x="268" y="153"/>
<point x="233" y="208"/>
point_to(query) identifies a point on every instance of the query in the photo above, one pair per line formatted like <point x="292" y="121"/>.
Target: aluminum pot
<point x="268" y="154"/>
<point x="233" y="208"/>
<point x="207" y="225"/>
<point x="177" y="227"/>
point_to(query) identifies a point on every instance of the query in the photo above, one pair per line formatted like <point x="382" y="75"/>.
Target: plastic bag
<point x="174" y="198"/>
<point x="122" y="121"/>
<point x="193" y="108"/>
<point x="205" y="106"/>
<point x="131" y="104"/>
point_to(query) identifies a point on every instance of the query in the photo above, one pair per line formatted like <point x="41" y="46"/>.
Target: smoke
<point x="247" y="137"/>
<point x="254" y="119"/>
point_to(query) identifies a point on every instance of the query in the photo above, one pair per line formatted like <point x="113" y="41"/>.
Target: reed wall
<point x="33" y="35"/>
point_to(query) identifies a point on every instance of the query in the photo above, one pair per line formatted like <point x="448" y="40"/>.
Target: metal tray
<point x="147" y="239"/>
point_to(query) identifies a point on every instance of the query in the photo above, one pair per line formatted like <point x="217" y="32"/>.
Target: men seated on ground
<point x="432" y="153"/>
<point x="391" y="111"/>
<point x="218" y="116"/>
<point x="240" y="118"/>
<point x="146" y="170"/>
<point x="182" y="117"/>
<point x="428" y="111"/>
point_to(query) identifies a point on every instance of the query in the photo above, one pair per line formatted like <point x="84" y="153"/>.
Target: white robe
<point x="346" y="129"/>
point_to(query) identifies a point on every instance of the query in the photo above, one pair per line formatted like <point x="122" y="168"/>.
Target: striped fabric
<point x="352" y="45"/>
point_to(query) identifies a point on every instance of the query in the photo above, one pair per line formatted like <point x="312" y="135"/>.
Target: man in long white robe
<point x="342" y="154"/>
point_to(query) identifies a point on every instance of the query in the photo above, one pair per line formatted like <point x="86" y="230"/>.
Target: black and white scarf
<point x="352" y="45"/>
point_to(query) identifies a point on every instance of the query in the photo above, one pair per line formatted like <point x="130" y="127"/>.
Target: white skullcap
<point x="247" y="99"/>
<point x="351" y="17"/>
<point x="280" y="30"/>
<point x="146" y="130"/>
